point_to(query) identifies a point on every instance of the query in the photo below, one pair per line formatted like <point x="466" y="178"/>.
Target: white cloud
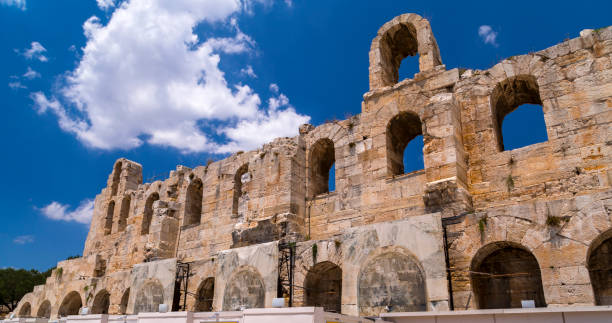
<point x="146" y="77"/>
<point x="105" y="4"/>
<point x="289" y="3"/>
<point x="21" y="4"/>
<point x="59" y="212"/>
<point x="15" y="85"/>
<point x="31" y="74"/>
<point x="248" y="71"/>
<point x="488" y="35"/>
<point x="24" y="239"/>
<point x="36" y="51"/>
<point x="268" y="125"/>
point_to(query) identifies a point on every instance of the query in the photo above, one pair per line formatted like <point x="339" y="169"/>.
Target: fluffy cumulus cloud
<point x="25" y="239"/>
<point x="145" y="76"/>
<point x="21" y="4"/>
<point x="36" y="51"/>
<point x="488" y="35"/>
<point x="60" y="212"/>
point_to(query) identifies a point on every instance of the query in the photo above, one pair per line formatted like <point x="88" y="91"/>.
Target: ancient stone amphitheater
<point x="479" y="227"/>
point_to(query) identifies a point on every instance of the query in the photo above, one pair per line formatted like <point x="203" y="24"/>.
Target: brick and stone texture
<point x="480" y="226"/>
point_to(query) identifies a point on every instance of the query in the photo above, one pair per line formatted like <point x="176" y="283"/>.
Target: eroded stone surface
<point x="552" y="199"/>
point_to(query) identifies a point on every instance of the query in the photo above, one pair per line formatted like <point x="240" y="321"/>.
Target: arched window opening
<point x="391" y="282"/>
<point x="322" y="159"/>
<point x="600" y="270"/>
<point x="25" y="310"/>
<point x="240" y="179"/>
<point x="408" y="68"/>
<point x="402" y="130"/>
<point x="323" y="286"/>
<point x="148" y="213"/>
<point x="149" y="297"/>
<point x="503" y="275"/>
<point x="108" y="221"/>
<point x="70" y="305"/>
<point x="116" y="178"/>
<point x="193" y="202"/>
<point x="206" y="292"/>
<point x="124" y="212"/>
<point x="124" y="302"/>
<point x="398" y="43"/>
<point x="101" y="303"/>
<point x="44" y="310"/>
<point x="507" y="96"/>
<point x="526" y="116"/>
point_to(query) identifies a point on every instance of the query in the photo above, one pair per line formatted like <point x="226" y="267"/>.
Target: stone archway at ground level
<point x="124" y="302"/>
<point x="599" y="263"/>
<point x="323" y="286"/>
<point x="204" y="297"/>
<point x="71" y="304"/>
<point x="245" y="289"/>
<point x="101" y="302"/>
<point x="25" y="310"/>
<point x="503" y="274"/>
<point x="149" y="297"/>
<point x="44" y="310"/>
<point x="391" y="282"/>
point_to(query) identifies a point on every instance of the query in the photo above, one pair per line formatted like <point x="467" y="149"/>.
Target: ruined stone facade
<point x="479" y="227"/>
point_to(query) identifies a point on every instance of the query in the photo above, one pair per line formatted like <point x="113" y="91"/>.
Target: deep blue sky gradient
<point x="316" y="51"/>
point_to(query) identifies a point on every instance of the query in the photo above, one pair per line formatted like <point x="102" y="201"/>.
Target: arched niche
<point x="323" y="287"/>
<point x="124" y="212"/>
<point x="503" y="274"/>
<point x="116" y="178"/>
<point x="44" y="310"/>
<point x="391" y="282"/>
<point x="71" y="304"/>
<point x="124" y="302"/>
<point x="101" y="302"/>
<point x="205" y="294"/>
<point x="108" y="221"/>
<point x="238" y="188"/>
<point x="193" y="202"/>
<point x="149" y="297"/>
<point x="599" y="264"/>
<point x="148" y="213"/>
<point x="245" y="289"/>
<point x="25" y="310"/>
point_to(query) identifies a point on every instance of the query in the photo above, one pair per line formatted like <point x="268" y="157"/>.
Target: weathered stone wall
<point x="386" y="232"/>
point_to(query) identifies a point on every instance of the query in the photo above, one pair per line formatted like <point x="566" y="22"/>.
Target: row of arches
<point x="502" y="275"/>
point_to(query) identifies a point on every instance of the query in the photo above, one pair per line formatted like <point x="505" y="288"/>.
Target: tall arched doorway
<point x="205" y="295"/>
<point x="101" y="302"/>
<point x="44" y="310"/>
<point x="599" y="264"/>
<point x="124" y="302"/>
<point x="25" y="310"/>
<point x="323" y="287"/>
<point x="504" y="274"/>
<point x="71" y="304"/>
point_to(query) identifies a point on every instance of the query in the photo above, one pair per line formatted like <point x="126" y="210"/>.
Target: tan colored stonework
<point x="483" y="196"/>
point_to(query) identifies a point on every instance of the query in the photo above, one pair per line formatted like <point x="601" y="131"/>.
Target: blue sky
<point x="84" y="82"/>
